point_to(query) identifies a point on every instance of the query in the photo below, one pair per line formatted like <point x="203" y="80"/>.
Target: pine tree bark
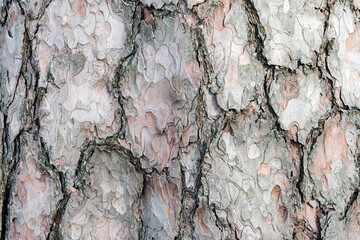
<point x="179" y="119"/>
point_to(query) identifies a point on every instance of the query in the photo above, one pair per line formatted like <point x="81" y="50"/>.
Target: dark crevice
<point x="60" y="209"/>
<point x="142" y="233"/>
<point x="26" y="52"/>
<point x="352" y="200"/>
<point x="55" y="231"/>
<point x="30" y="124"/>
<point x="269" y="78"/>
<point x="120" y="70"/>
<point x="256" y="32"/>
<point x="207" y="130"/>
<point x="301" y="174"/>
<point x="10" y="183"/>
<point x="224" y="225"/>
<point x="11" y="150"/>
<point x="4" y="14"/>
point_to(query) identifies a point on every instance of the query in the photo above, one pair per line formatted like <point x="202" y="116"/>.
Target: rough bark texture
<point x="180" y="119"/>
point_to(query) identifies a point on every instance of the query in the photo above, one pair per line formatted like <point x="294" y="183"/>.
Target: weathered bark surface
<point x="180" y="119"/>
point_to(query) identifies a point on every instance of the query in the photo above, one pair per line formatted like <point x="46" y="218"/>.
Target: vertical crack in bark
<point x="207" y="130"/>
<point x="11" y="180"/>
<point x="256" y="34"/>
<point x="31" y="124"/>
<point x="10" y="172"/>
<point x="122" y="65"/>
<point x="269" y="78"/>
<point x="4" y="12"/>
<point x="54" y="232"/>
<point x="44" y="153"/>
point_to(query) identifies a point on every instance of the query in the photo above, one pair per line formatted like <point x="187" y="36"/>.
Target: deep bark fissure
<point x="11" y="180"/>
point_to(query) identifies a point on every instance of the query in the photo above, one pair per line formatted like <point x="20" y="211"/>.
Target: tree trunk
<point x="180" y="119"/>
